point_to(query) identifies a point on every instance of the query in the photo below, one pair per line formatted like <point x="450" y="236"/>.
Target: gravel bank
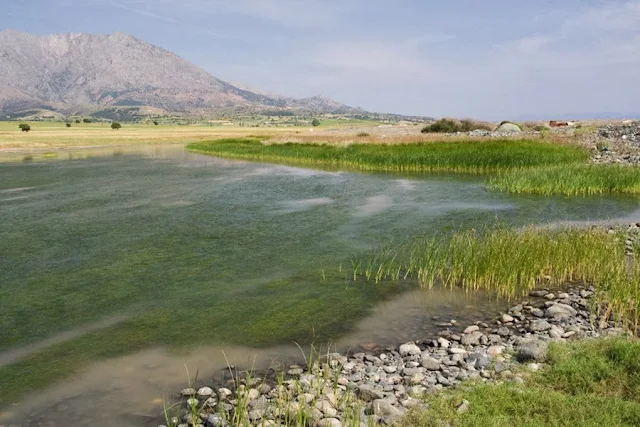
<point x="365" y="389"/>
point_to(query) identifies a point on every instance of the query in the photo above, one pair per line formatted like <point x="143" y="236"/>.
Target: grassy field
<point x="511" y="262"/>
<point x="591" y="383"/>
<point x="570" y="180"/>
<point x="454" y="156"/>
<point x="55" y="135"/>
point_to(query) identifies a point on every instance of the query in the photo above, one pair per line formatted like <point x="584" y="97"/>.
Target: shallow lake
<point x="120" y="265"/>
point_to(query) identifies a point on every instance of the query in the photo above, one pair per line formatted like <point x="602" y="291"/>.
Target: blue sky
<point x="488" y="59"/>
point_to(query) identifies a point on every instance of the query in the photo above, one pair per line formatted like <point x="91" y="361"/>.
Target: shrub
<point x="442" y="126"/>
<point x="155" y="122"/>
<point x="24" y="127"/>
<point x="115" y="125"/>
<point x="77" y="121"/>
<point x="315" y="122"/>
<point x="363" y="134"/>
<point x="87" y="120"/>
<point x="468" y="125"/>
<point x="68" y="125"/>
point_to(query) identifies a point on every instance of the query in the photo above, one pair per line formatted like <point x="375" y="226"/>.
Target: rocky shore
<point x="617" y="143"/>
<point x="364" y="389"/>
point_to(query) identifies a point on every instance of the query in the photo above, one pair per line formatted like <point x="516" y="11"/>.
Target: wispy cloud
<point x="144" y="12"/>
<point x="289" y="13"/>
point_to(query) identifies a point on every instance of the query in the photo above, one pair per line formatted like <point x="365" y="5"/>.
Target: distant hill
<point x="578" y="116"/>
<point x="100" y="74"/>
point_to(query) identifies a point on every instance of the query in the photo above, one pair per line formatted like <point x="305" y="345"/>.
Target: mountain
<point x="98" y="74"/>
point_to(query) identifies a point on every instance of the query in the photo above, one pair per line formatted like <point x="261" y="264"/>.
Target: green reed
<point x="511" y="262"/>
<point x="570" y="180"/>
<point x="447" y="156"/>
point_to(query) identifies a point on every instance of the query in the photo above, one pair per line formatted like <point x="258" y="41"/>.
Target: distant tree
<point x="155" y="122"/>
<point x="24" y="127"/>
<point x="68" y="125"/>
<point x="315" y="122"/>
<point x="115" y="125"/>
<point x="86" y="120"/>
<point x="77" y="120"/>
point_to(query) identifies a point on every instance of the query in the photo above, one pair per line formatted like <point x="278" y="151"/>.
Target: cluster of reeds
<point x="293" y="405"/>
<point x="449" y="156"/>
<point x="510" y="262"/>
<point x="570" y="180"/>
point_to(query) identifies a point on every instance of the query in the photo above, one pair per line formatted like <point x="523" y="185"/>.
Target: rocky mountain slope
<point x="73" y="73"/>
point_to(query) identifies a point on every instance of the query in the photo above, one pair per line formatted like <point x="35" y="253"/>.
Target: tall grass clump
<point x="511" y="262"/>
<point x="570" y="180"/>
<point x="454" y="156"/>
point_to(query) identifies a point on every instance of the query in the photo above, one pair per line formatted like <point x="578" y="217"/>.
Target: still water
<point x="118" y="266"/>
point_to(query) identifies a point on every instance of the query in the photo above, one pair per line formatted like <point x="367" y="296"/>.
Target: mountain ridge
<point x="80" y="72"/>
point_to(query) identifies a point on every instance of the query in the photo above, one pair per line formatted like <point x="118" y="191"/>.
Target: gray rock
<point x="329" y="422"/>
<point x="367" y="393"/>
<point x="188" y="392"/>
<point x="385" y="409"/>
<point x="479" y="360"/>
<point x="539" y="325"/>
<point x="430" y="363"/>
<point x="532" y="349"/>
<point x="560" y="312"/>
<point x="536" y="312"/>
<point x="215" y="420"/>
<point x="409" y="349"/>
<point x="407" y="372"/>
<point x="470" y="329"/>
<point x="205" y="392"/>
<point x="463" y="406"/>
<point x="506" y="318"/>
<point x="471" y="339"/>
<point x="504" y="331"/>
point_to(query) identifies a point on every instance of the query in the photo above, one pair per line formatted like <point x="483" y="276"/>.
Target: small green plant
<point x="24" y="127"/>
<point x="116" y="126"/>
<point x="68" y="125"/>
<point x="602" y="146"/>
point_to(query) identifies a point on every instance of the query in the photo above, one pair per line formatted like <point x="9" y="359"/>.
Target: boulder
<point x="409" y="349"/>
<point x="533" y="349"/>
<point x="560" y="312"/>
<point x="509" y="128"/>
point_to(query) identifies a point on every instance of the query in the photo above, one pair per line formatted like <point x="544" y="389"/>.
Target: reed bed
<point x="570" y="180"/>
<point x="450" y="156"/>
<point x="510" y="263"/>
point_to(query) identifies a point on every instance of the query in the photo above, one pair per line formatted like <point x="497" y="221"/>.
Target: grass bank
<point x="588" y="383"/>
<point x="570" y="180"/>
<point x="511" y="262"/>
<point x="450" y="156"/>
